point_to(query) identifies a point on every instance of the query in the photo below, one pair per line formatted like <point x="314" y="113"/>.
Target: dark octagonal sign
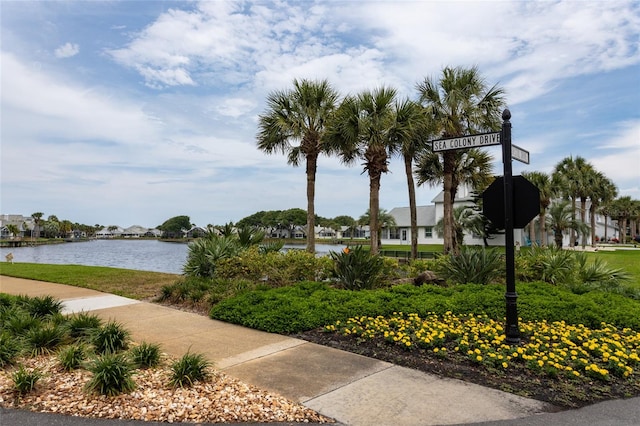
<point x="526" y="202"/>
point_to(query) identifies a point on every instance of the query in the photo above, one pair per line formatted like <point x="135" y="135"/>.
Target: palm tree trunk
<point x="558" y="238"/>
<point x="583" y="214"/>
<point x="572" y="239"/>
<point x="543" y="229"/>
<point x="592" y="221"/>
<point x="412" y="206"/>
<point x="606" y="227"/>
<point x="374" y="210"/>
<point x="532" y="232"/>
<point x="312" y="165"/>
<point x="449" y="161"/>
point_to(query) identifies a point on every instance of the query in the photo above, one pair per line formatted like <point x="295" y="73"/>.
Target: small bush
<point x="145" y="355"/>
<point x="10" y="348"/>
<point x="82" y="325"/>
<point x="472" y="265"/>
<point x="204" y="253"/>
<point x="110" y="338"/>
<point x="111" y="375"/>
<point x="357" y="269"/>
<point x="24" y="381"/>
<point x="72" y="357"/>
<point x="189" y="369"/>
<point x="43" y="340"/>
<point x="42" y="307"/>
<point x="19" y="322"/>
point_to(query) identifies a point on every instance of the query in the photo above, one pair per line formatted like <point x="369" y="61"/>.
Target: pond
<point x="142" y="255"/>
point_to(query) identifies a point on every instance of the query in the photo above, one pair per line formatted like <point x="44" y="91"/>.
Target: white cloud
<point x="67" y="50"/>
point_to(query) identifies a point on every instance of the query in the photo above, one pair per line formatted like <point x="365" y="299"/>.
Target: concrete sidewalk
<point x="350" y="388"/>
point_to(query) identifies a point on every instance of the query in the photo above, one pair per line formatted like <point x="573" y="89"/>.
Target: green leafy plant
<point x="18" y="322"/>
<point x="44" y="339"/>
<point x="112" y="375"/>
<point x="189" y="369"/>
<point x="205" y="252"/>
<point x="42" y="307"/>
<point x="271" y="247"/>
<point x="10" y="348"/>
<point x="472" y="265"/>
<point x="82" y="324"/>
<point x="145" y="355"/>
<point x="72" y="357"/>
<point x="357" y="269"/>
<point x="24" y="381"/>
<point x="110" y="338"/>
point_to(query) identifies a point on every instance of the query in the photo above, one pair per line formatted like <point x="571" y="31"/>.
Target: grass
<point x="138" y="285"/>
<point x="628" y="260"/>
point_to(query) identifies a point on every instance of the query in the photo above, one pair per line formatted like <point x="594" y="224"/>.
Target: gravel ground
<point x="220" y="399"/>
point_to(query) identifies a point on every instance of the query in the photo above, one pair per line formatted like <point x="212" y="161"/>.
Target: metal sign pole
<point x="512" y="330"/>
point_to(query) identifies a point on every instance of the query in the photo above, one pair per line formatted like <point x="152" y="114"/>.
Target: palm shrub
<point x="189" y="369"/>
<point x="472" y="265"/>
<point x="112" y="375"/>
<point x="270" y="247"/>
<point x="82" y="324"/>
<point x="205" y="252"/>
<point x="72" y="357"/>
<point x="110" y="338"/>
<point x="145" y="355"/>
<point x="24" y="381"/>
<point x="357" y="269"/>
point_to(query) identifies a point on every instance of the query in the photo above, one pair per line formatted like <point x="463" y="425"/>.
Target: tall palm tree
<point x="542" y="181"/>
<point x="562" y="218"/>
<point x="572" y="177"/>
<point x="411" y="133"/>
<point x="361" y="129"/>
<point x="294" y="124"/>
<point x="603" y="191"/>
<point x="472" y="168"/>
<point x="621" y="211"/>
<point x="460" y="104"/>
<point x="37" y="220"/>
<point x="385" y="220"/>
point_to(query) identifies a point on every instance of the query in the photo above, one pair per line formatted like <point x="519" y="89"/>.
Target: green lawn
<point x="123" y="282"/>
<point x="627" y="260"/>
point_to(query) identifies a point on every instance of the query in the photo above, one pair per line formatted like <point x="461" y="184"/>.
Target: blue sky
<point x="132" y="112"/>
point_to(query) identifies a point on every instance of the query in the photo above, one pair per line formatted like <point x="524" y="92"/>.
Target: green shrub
<point x="145" y="355"/>
<point x="111" y="375"/>
<point x="19" y="322"/>
<point x="72" y="357"/>
<point x="24" y="381"/>
<point x="44" y="339"/>
<point x="10" y="348"/>
<point x="189" y="369"/>
<point x="472" y="265"/>
<point x="205" y="253"/>
<point x="42" y="307"/>
<point x="82" y="325"/>
<point x="357" y="269"/>
<point x="110" y="338"/>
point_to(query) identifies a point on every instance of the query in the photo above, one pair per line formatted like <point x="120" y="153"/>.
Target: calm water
<point x="142" y="255"/>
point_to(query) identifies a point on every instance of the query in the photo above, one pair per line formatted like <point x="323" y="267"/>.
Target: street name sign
<point x="519" y="154"/>
<point x="471" y="141"/>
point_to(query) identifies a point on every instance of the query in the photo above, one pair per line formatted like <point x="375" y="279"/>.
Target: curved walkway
<point x="350" y="388"/>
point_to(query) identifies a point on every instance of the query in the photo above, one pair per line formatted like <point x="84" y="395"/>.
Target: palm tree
<point x="362" y="128"/>
<point x="385" y="220"/>
<point x="603" y="191"/>
<point x="13" y="230"/>
<point x="294" y="124"/>
<point x="542" y="181"/>
<point x="562" y="218"/>
<point x="572" y="177"/>
<point x="472" y="168"/>
<point x="464" y="218"/>
<point x="410" y="134"/>
<point x="460" y="104"/>
<point x="37" y="220"/>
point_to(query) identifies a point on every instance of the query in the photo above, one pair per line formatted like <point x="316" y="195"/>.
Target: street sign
<point x="519" y="154"/>
<point x="470" y="141"/>
<point x="526" y="202"/>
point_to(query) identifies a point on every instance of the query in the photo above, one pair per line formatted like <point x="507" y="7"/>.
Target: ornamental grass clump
<point x="44" y="339"/>
<point x="10" y="349"/>
<point x="42" y="307"/>
<point x="145" y="355"/>
<point x="24" y="381"/>
<point x="83" y="324"/>
<point x="472" y="265"/>
<point x="72" y="357"/>
<point x="110" y="338"/>
<point x="112" y="375"/>
<point x="189" y="369"/>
